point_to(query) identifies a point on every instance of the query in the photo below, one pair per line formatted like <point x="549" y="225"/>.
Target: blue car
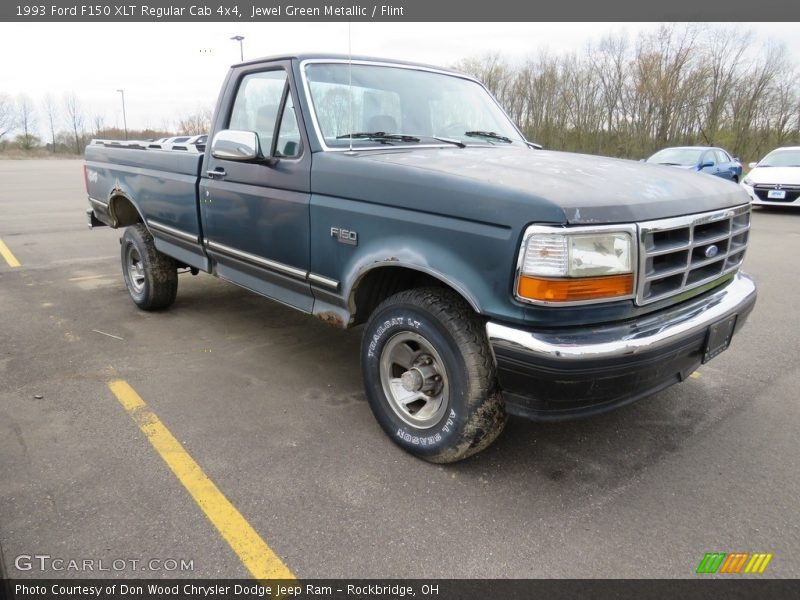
<point x="714" y="161"/>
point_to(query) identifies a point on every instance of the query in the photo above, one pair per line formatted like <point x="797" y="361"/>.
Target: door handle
<point x="217" y="173"/>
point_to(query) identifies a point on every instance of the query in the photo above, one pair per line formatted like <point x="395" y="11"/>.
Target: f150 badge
<point x="344" y="236"/>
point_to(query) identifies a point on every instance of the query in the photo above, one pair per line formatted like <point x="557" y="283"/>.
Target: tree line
<point x="620" y="96"/>
<point x="677" y="85"/>
<point x="64" y="126"/>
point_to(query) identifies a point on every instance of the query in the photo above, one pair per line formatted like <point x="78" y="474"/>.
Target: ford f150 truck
<point x="492" y="277"/>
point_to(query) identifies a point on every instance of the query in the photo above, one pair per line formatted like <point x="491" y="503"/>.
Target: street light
<point x="239" y="38"/>
<point x="124" y="118"/>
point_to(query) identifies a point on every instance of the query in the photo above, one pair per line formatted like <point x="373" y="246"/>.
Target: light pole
<point x="124" y="117"/>
<point x="239" y="38"/>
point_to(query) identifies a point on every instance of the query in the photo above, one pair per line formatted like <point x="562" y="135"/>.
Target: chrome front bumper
<point x="616" y="341"/>
<point x="561" y="373"/>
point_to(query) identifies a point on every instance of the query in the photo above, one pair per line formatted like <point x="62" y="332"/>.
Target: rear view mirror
<point x="233" y="144"/>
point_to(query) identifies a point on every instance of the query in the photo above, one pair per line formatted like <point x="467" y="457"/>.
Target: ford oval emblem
<point x="712" y="251"/>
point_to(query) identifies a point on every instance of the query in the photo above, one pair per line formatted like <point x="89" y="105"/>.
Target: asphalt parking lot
<point x="269" y="404"/>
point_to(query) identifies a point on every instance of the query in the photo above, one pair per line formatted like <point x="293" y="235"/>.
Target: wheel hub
<point x="135" y="269"/>
<point x="421" y="378"/>
<point x="414" y="379"/>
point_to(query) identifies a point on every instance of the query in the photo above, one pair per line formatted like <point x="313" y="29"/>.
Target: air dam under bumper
<point x="557" y="374"/>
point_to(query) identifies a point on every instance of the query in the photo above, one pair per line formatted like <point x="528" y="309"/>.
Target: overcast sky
<point x="169" y="69"/>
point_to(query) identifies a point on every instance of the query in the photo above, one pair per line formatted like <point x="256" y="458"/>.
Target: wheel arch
<point x="123" y="210"/>
<point x="383" y="279"/>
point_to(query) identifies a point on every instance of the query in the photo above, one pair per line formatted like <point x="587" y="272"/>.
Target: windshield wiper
<point x="672" y="164"/>
<point x="488" y="134"/>
<point x="379" y="136"/>
<point x="458" y="143"/>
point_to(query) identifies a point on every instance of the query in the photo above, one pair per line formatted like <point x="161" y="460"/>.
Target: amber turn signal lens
<point x="575" y="290"/>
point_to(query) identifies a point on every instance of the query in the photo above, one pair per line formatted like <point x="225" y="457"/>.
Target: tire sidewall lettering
<point x="393" y="322"/>
<point x="432" y="439"/>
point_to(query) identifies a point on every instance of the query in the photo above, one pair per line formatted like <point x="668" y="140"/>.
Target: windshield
<point x="387" y="105"/>
<point x="677" y="156"/>
<point x="781" y="158"/>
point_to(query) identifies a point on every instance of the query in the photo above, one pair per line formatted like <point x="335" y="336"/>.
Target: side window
<point x="722" y="157"/>
<point x="289" y="133"/>
<point x="708" y="156"/>
<point x="257" y="103"/>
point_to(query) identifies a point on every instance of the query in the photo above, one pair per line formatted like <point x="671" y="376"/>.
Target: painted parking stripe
<point x="8" y="255"/>
<point x="253" y="551"/>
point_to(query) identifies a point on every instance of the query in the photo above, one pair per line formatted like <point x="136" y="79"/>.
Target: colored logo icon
<point x="734" y="563"/>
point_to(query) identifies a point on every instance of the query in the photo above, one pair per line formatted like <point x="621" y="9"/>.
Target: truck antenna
<point x="350" y="78"/>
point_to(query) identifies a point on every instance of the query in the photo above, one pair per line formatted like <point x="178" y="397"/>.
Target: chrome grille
<point x="683" y="253"/>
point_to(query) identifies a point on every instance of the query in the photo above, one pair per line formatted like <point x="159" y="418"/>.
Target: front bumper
<point x="560" y="374"/>
<point x="756" y="201"/>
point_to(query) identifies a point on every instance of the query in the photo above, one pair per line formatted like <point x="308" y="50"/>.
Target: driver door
<point x="255" y="213"/>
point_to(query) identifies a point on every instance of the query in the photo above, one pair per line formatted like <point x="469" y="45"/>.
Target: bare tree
<point x="748" y="99"/>
<point x="7" y="115"/>
<point x="27" y="121"/>
<point x="609" y="62"/>
<point x="196" y="123"/>
<point x="74" y="113"/>
<point x="51" y="113"/>
<point x="98" y="121"/>
<point x="680" y="84"/>
<point x="490" y="69"/>
<point x="723" y="54"/>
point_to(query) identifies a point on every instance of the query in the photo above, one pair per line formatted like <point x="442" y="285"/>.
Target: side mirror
<point x="233" y="144"/>
<point x="534" y="145"/>
<point x="708" y="163"/>
<point x="753" y="165"/>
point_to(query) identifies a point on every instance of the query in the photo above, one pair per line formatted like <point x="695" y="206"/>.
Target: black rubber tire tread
<point x="161" y="271"/>
<point x="485" y="408"/>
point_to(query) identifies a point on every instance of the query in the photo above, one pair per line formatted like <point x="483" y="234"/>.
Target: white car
<point x="775" y="179"/>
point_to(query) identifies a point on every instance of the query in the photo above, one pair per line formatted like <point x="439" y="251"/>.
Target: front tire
<point x="429" y="375"/>
<point x="150" y="276"/>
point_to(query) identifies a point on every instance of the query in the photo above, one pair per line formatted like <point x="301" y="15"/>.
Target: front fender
<point x="475" y="259"/>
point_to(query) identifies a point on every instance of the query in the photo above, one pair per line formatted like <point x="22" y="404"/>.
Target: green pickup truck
<point x="491" y="277"/>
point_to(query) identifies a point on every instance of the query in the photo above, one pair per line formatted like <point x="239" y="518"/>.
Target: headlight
<point x="558" y="265"/>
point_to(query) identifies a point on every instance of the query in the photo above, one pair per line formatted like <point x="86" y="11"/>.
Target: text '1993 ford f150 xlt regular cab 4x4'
<point x="492" y="277"/>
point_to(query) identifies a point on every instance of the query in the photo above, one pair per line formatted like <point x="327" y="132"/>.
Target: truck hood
<point x="509" y="185"/>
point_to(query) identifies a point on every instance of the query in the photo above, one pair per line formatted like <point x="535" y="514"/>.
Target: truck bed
<point x="160" y="183"/>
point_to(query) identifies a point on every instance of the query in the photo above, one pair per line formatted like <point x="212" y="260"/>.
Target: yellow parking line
<point x="254" y="553"/>
<point x="8" y="255"/>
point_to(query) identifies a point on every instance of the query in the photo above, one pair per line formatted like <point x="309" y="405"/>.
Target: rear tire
<point x="150" y="276"/>
<point x="430" y="377"/>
